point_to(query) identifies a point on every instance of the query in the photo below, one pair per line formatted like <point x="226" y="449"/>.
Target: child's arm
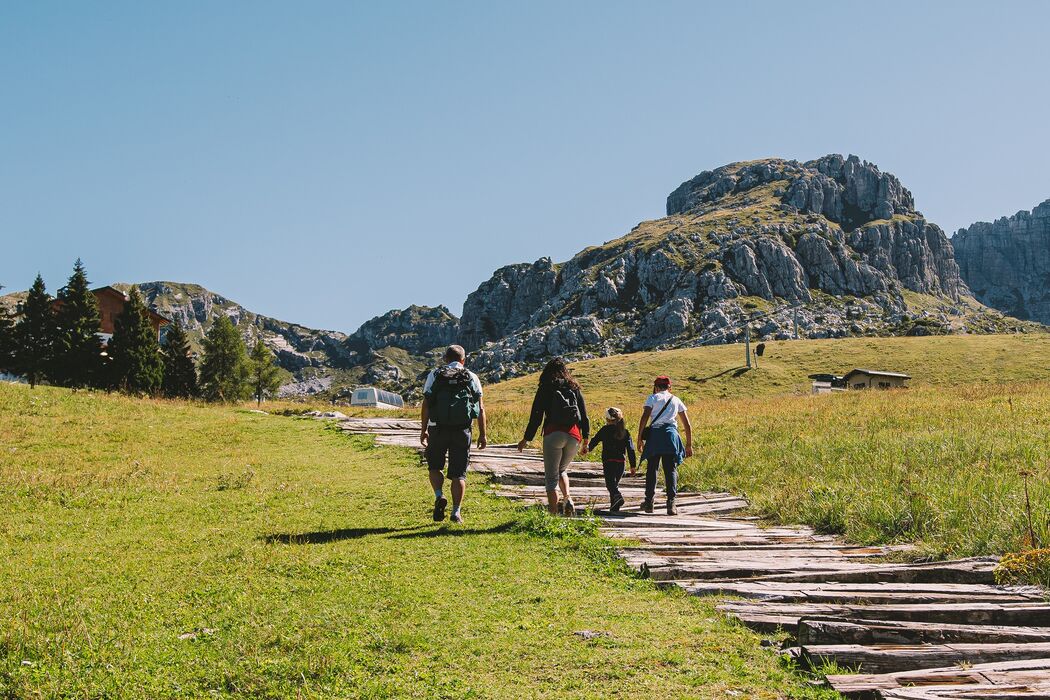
<point x="596" y="439"/>
<point x="630" y="454"/>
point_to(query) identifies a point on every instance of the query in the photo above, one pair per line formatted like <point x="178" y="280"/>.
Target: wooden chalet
<point x="110" y="305"/>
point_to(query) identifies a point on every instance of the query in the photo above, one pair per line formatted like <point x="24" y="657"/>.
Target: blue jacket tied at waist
<point x="664" y="440"/>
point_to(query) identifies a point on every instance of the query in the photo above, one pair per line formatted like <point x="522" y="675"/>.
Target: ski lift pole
<point x="747" y="344"/>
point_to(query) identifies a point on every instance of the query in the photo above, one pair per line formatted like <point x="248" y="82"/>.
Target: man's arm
<point x="424" y="418"/>
<point x="482" y="426"/>
<point x="641" y="426"/>
<point x="688" y="434"/>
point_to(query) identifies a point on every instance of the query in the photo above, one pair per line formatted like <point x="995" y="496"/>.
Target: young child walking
<point x="617" y="447"/>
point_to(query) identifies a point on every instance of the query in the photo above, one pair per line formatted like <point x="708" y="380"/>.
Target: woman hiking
<point x="617" y="447"/>
<point x="660" y="443"/>
<point x="559" y="405"/>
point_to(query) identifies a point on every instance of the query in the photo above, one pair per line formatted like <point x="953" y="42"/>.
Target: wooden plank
<point x="865" y="686"/>
<point x="788" y="614"/>
<point x="974" y="570"/>
<point x="891" y="658"/>
<point x="862" y="593"/>
<point x="974" y="692"/>
<point x="819" y="630"/>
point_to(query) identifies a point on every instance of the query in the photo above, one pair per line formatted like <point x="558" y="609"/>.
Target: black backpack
<point x="452" y="400"/>
<point x="563" y="408"/>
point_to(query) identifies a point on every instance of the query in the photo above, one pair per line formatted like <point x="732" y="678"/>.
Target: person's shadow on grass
<point x="326" y="536"/>
<point x="453" y="531"/>
<point x="353" y="533"/>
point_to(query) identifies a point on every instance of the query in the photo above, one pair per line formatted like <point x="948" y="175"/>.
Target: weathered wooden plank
<point x="892" y="658"/>
<point x="975" y="570"/>
<point x="819" y="630"/>
<point x="787" y="615"/>
<point x="974" y="692"/>
<point x="861" y="593"/>
<point x="1006" y="673"/>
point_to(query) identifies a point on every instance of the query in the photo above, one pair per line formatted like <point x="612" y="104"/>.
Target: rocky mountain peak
<point x="847" y="191"/>
<point x="416" y="329"/>
<point x="1007" y="262"/>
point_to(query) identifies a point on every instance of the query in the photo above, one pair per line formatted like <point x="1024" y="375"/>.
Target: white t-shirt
<point x="475" y="383"/>
<point x="657" y="403"/>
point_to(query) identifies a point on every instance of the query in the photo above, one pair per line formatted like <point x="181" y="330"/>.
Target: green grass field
<point x="939" y="464"/>
<point x="718" y="371"/>
<point x="157" y="549"/>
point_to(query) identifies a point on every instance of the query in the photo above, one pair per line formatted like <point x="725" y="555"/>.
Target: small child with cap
<point x="617" y="445"/>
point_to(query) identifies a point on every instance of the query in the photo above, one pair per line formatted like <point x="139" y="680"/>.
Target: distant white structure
<point x="370" y="397"/>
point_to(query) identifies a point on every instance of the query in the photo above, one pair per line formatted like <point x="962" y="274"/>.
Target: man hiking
<point x="451" y="402"/>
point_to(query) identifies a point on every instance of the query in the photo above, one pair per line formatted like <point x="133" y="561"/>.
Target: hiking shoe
<point x="439" y="509"/>
<point x="570" y="508"/>
<point x="647" y="506"/>
<point x="617" y="504"/>
<point x="672" y="509"/>
<point x="456" y="517"/>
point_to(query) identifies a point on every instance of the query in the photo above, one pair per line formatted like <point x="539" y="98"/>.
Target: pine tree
<point x="7" y="341"/>
<point x="180" y="376"/>
<point x="34" y="334"/>
<point x="135" y="363"/>
<point x="78" y="349"/>
<point x="224" y="367"/>
<point x="265" y="375"/>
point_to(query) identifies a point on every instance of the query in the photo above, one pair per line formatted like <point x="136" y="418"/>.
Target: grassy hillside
<point x="159" y="549"/>
<point x="940" y="464"/>
<point x="718" y="371"/>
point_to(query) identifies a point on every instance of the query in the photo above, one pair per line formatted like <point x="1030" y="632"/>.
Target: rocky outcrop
<point x="1006" y="264"/>
<point x="309" y="355"/>
<point x="507" y="301"/>
<point x="835" y="235"/>
<point x="847" y="191"/>
<point x="416" y="330"/>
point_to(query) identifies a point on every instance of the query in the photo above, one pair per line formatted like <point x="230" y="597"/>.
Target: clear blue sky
<point x="325" y="162"/>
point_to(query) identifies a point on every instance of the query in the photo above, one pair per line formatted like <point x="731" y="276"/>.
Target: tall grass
<point x="941" y="466"/>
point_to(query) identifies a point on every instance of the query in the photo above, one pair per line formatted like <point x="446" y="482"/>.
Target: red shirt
<point x="574" y="431"/>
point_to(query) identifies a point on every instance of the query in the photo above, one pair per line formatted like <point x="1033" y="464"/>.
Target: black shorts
<point x="453" y="443"/>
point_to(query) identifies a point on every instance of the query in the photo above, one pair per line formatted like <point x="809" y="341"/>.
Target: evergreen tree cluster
<point x="57" y="340"/>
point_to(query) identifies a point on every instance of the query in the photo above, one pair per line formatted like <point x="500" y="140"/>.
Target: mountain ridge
<point x="832" y="246"/>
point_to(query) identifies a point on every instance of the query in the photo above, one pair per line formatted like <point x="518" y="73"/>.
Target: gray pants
<point x="559" y="449"/>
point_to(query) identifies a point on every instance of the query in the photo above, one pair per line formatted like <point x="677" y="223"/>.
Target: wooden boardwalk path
<point x="912" y="630"/>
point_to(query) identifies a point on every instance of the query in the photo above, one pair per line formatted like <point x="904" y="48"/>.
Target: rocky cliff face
<point x="309" y="355"/>
<point x="1007" y="263"/>
<point x="836" y="235"/>
<point x="416" y="330"/>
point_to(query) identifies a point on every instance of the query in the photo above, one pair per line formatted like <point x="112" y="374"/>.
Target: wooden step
<point x="862" y="593"/>
<point x="972" y="692"/>
<point x="1008" y="673"/>
<point x="892" y="658"/>
<point x="974" y="570"/>
<point x="816" y="569"/>
<point x="820" y="630"/>
<point x="770" y="616"/>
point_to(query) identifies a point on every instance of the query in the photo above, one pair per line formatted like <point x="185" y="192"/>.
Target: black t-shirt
<point x="613" y="449"/>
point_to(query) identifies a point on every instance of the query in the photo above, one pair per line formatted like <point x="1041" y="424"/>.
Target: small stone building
<point x="875" y="379"/>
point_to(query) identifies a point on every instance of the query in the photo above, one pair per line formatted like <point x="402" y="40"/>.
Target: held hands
<point x="583" y="449"/>
<point x="522" y="445"/>
<point x="423" y="437"/>
<point x="482" y="442"/>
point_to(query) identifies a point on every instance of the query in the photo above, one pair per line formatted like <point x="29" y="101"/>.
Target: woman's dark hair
<point x="556" y="370"/>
